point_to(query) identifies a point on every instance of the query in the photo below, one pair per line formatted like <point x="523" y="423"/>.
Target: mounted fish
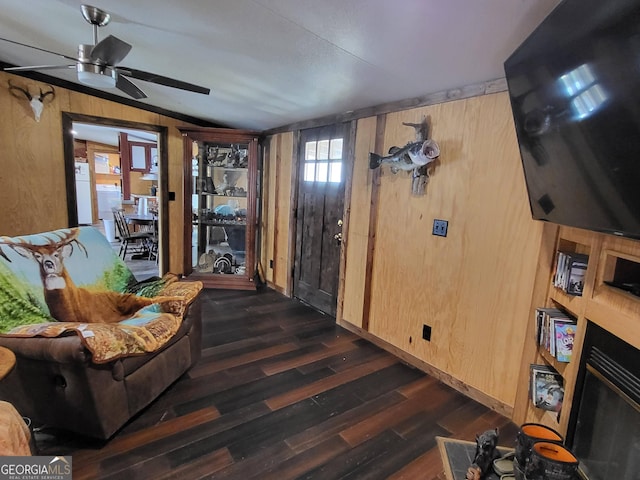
<point x="411" y="156"/>
<point x="414" y="156"/>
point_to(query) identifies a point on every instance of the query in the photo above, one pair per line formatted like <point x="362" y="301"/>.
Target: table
<point x="137" y="219"/>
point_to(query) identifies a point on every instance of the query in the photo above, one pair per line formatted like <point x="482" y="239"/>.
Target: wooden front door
<point x="320" y="210"/>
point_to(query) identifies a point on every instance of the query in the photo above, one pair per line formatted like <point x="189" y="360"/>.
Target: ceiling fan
<point x="96" y="64"/>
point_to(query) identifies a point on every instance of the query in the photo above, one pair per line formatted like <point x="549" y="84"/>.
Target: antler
<point x="71" y="237"/>
<point x="37" y="104"/>
<point x="44" y="95"/>
<point x="63" y="238"/>
<point x="26" y="93"/>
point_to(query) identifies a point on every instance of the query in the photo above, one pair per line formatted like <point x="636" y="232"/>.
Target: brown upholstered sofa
<point x="66" y="381"/>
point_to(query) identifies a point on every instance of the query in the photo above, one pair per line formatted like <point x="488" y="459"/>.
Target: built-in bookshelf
<point x="609" y="297"/>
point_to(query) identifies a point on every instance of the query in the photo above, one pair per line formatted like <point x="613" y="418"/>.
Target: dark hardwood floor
<point x="282" y="392"/>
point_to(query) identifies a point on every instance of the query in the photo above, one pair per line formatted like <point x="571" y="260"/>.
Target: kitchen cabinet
<point x="221" y="206"/>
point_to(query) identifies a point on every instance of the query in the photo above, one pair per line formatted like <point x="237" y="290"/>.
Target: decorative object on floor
<point x="82" y="376"/>
<point x="486" y="453"/>
<point x="527" y="435"/>
<point x="550" y="461"/>
<point x="457" y="455"/>
<point x="414" y="157"/>
<point x="37" y="103"/>
<point x="503" y="466"/>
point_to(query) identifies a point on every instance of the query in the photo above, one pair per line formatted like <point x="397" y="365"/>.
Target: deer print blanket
<point x="71" y="281"/>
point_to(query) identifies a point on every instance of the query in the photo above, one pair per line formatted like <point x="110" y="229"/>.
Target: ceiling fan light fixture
<point x="95" y="76"/>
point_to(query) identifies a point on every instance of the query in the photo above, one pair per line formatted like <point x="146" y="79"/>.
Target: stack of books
<point x="555" y="331"/>
<point x="571" y="269"/>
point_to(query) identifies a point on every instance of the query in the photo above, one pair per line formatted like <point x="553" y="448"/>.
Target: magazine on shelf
<point x="542" y="320"/>
<point x="547" y="390"/>
<point x="555" y="331"/>
<point x="564" y="336"/>
<point x="554" y="323"/>
<point x="577" y="271"/>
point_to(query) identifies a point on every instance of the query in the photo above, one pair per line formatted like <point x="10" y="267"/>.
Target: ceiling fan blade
<point x="110" y="50"/>
<point x="159" y="79"/>
<point x="37" y="67"/>
<point x="38" y="48"/>
<point x="128" y="87"/>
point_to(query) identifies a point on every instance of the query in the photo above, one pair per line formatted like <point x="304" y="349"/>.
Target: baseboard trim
<point x="277" y="288"/>
<point x="473" y="393"/>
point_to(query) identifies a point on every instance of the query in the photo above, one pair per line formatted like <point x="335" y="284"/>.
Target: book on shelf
<point x="547" y="389"/>
<point x="555" y="331"/>
<point x="542" y="319"/>
<point x="555" y="322"/>
<point x="565" y="333"/>
<point x="571" y="269"/>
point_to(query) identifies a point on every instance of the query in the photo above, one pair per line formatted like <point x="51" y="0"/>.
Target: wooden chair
<point x="142" y="239"/>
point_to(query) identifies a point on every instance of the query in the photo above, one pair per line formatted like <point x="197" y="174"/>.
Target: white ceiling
<point x="110" y="135"/>
<point x="271" y="63"/>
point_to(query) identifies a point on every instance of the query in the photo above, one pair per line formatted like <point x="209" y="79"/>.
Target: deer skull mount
<point x="37" y="103"/>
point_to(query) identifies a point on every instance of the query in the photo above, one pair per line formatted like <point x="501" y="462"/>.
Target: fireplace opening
<point x="603" y="428"/>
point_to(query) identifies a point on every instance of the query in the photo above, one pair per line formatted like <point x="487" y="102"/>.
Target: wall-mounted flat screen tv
<point x="574" y="86"/>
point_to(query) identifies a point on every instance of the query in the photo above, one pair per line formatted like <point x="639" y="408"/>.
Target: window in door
<point x="323" y="161"/>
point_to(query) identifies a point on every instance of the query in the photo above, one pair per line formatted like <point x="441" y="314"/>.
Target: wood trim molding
<point x="67" y="122"/>
<point x="471" y="392"/>
<point x="381" y="123"/>
<point x="349" y="165"/>
<point x="187" y="171"/>
<point x="262" y="232"/>
<point x="276" y="231"/>
<point x="293" y="208"/>
<point x="277" y="288"/>
<point x="473" y="90"/>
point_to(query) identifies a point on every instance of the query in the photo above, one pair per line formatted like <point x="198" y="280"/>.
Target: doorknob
<point x="338" y="237"/>
<point x="340" y="222"/>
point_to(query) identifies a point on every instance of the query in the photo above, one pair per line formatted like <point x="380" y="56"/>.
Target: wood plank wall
<point x="32" y="177"/>
<point x="473" y="288"/>
<point x="277" y="244"/>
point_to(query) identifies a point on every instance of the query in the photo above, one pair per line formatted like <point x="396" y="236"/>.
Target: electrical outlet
<point x="440" y="227"/>
<point x="426" y="333"/>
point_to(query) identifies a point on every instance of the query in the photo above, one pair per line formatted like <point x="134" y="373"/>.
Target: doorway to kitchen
<point x="114" y="164"/>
